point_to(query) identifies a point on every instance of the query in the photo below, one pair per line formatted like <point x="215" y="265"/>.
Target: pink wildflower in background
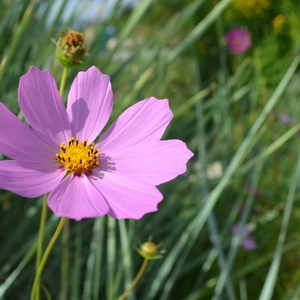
<point x="247" y="242"/>
<point x="238" y="40"/>
<point x="286" y="119"/>
<point x="117" y="175"/>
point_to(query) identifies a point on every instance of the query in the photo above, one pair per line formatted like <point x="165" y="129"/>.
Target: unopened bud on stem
<point x="149" y="250"/>
<point x="70" y="49"/>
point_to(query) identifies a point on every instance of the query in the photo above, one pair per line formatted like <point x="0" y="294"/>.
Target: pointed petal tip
<point x="93" y="67"/>
<point x="164" y="103"/>
<point x="93" y="70"/>
<point x="33" y="70"/>
<point x="189" y="153"/>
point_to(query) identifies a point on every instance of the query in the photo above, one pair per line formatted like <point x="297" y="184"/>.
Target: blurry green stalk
<point x="40" y="243"/>
<point x="65" y="262"/>
<point x="63" y="81"/>
<point x="45" y="257"/>
<point x="16" y="39"/>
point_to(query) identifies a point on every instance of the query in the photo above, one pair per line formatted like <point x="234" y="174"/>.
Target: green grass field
<point x="238" y="113"/>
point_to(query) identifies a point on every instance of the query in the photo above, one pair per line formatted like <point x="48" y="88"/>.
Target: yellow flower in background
<point x="278" y="22"/>
<point x="251" y="8"/>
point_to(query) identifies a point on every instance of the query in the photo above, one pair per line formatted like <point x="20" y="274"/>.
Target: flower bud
<point x="70" y="49"/>
<point x="149" y="250"/>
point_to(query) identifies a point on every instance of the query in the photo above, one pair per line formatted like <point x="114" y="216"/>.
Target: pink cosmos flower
<point x="117" y="175"/>
<point x="238" y="40"/>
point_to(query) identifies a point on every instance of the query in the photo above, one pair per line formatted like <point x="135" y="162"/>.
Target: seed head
<point x="70" y="49"/>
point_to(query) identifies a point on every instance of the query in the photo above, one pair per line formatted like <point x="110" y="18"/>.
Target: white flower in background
<point x="214" y="170"/>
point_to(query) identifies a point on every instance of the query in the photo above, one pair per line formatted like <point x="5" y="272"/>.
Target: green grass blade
<point x="268" y="288"/>
<point x="126" y="248"/>
<point x="111" y="258"/>
<point x="198" y="30"/>
<point x="196" y="224"/>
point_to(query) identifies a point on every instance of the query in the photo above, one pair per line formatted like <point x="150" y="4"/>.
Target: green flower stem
<point x="63" y="81"/>
<point x="135" y="280"/>
<point x="45" y="256"/>
<point x="65" y="262"/>
<point x="40" y="243"/>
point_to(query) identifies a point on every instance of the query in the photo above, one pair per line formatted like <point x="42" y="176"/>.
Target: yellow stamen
<point x="77" y="156"/>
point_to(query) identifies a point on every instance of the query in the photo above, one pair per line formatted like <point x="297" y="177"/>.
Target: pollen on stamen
<point x="78" y="157"/>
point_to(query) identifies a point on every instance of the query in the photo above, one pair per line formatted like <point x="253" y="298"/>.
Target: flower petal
<point x="76" y="198"/>
<point x="90" y="103"/>
<point x="18" y="141"/>
<point x="43" y="108"/>
<point x="29" y="179"/>
<point x="127" y="199"/>
<point x="145" y="121"/>
<point x="152" y="163"/>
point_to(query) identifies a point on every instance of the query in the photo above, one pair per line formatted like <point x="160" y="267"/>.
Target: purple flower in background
<point x="285" y="119"/>
<point x="238" y="40"/>
<point x="247" y="242"/>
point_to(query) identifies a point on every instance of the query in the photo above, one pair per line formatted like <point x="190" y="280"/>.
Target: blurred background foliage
<point x="237" y="113"/>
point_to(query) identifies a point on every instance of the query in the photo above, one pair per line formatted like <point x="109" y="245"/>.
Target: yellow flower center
<point x="77" y="156"/>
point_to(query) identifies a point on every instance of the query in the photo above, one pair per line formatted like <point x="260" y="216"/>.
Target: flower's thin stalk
<point x="63" y="81"/>
<point x="40" y="243"/>
<point x="45" y="256"/>
<point x="135" y="280"/>
<point x="65" y="233"/>
<point x="65" y="262"/>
